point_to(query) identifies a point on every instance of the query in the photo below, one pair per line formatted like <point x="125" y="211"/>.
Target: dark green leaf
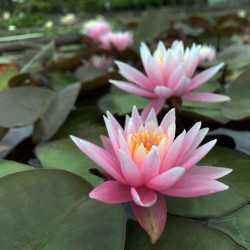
<point x="236" y="225"/>
<point x="120" y="102"/>
<point x="64" y="154"/>
<point x="56" y="114"/>
<point x="22" y="106"/>
<point x="151" y="26"/>
<point x="181" y="234"/>
<point x="221" y="203"/>
<point x="10" y="167"/>
<point x="239" y="91"/>
<point x="50" y="209"/>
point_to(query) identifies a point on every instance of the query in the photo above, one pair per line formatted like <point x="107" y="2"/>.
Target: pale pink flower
<point x="69" y="19"/>
<point x="170" y="73"/>
<point x="101" y="62"/>
<point x="96" y="28"/>
<point x="143" y="163"/>
<point x="207" y="53"/>
<point x="119" y="40"/>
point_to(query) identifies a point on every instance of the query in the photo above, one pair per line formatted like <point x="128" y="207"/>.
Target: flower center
<point x="147" y="140"/>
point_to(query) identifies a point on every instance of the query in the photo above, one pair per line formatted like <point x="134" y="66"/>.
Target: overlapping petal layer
<point x="145" y="163"/>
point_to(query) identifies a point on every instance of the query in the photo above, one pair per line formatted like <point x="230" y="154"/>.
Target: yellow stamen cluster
<point x="147" y="141"/>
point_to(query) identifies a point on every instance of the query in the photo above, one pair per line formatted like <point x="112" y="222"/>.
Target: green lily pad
<point x="60" y="80"/>
<point x="120" y="102"/>
<point x="64" y="154"/>
<point x="151" y="26"/>
<point x="57" y="113"/>
<point x="80" y="122"/>
<point x="221" y="203"/>
<point x="10" y="167"/>
<point x="239" y="91"/>
<point x="181" y="234"/>
<point x="50" y="209"/>
<point x="22" y="106"/>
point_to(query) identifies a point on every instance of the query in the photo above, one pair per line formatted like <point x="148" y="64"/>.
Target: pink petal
<point x="173" y="152"/>
<point x="154" y="72"/>
<point x="123" y="143"/>
<point x="206" y="172"/>
<point x="111" y="192"/>
<point x="175" y="77"/>
<point x="107" y="145"/>
<point x="197" y="140"/>
<point x="143" y="196"/>
<point x="194" y="187"/>
<point x="133" y="89"/>
<point x="152" y="117"/>
<point x="162" y="148"/>
<point x="168" y="119"/>
<point x="190" y="137"/>
<point x="115" y="124"/>
<point x="163" y="92"/>
<point x="166" y="179"/>
<point x="133" y="75"/>
<point x="130" y="171"/>
<point x="156" y="104"/>
<point x="205" y="97"/>
<point x="152" y="219"/>
<point x="198" y="154"/>
<point x="101" y="157"/>
<point x="112" y="135"/>
<point x="204" y="76"/>
<point x="170" y="134"/>
<point x="151" y="165"/>
<point x="136" y="118"/>
<point x="192" y="60"/>
<point x="182" y="86"/>
<point x="139" y="156"/>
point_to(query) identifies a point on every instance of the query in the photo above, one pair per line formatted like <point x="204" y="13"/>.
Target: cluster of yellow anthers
<point x="148" y="142"/>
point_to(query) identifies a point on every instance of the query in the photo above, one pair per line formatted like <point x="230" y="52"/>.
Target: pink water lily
<point x="207" y="53"/>
<point x="170" y="73"/>
<point x="96" y="28"/>
<point x="119" y="40"/>
<point x="143" y="163"/>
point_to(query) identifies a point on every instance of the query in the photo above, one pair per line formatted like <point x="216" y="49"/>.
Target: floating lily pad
<point x="181" y="234"/>
<point x="64" y="154"/>
<point x="236" y="225"/>
<point x="221" y="203"/>
<point x="50" y="209"/>
<point x="56" y="114"/>
<point x="10" y="167"/>
<point x="120" y="102"/>
<point x="22" y="106"/>
<point x="239" y="91"/>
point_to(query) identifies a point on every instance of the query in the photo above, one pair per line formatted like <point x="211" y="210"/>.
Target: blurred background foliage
<point x="58" y="6"/>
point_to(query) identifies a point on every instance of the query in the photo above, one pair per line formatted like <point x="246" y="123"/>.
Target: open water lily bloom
<point x="96" y="28"/>
<point x="169" y="73"/>
<point x="143" y="163"/>
<point x="119" y="40"/>
<point x="207" y="53"/>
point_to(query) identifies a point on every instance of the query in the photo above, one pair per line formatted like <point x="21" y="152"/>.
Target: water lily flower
<point x="207" y="53"/>
<point x="143" y="163"/>
<point x="119" y="40"/>
<point x="96" y="28"/>
<point x="69" y="19"/>
<point x="101" y="62"/>
<point x="170" y="73"/>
